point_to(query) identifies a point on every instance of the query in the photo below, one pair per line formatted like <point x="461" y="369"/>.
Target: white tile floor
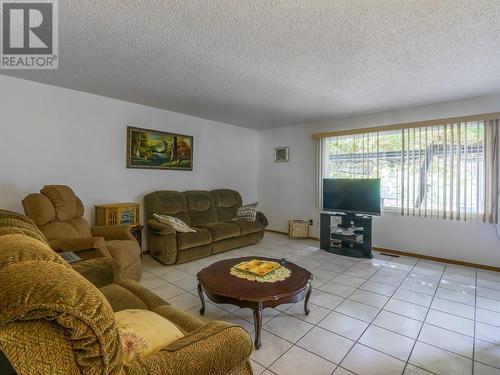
<point x="384" y="316"/>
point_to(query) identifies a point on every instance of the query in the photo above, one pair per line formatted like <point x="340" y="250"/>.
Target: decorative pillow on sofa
<point x="247" y="212"/>
<point x="176" y="223"/>
<point x="143" y="333"/>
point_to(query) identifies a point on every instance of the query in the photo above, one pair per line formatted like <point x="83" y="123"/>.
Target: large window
<point x="448" y="171"/>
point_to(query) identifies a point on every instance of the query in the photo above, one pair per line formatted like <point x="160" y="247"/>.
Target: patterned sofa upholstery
<point x="210" y="213"/>
<point x="55" y="320"/>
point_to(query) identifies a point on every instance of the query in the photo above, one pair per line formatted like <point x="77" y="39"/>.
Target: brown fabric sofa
<point x="58" y="212"/>
<point x="55" y="320"/>
<point x="210" y="213"/>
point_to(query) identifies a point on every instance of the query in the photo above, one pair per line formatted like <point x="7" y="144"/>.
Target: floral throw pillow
<point x="143" y="333"/>
<point x="247" y="212"/>
<point x="176" y="223"/>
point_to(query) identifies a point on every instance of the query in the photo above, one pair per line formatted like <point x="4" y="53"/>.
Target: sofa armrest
<point x="162" y="241"/>
<point x="215" y="348"/>
<point x="113" y="232"/>
<point x="160" y="228"/>
<point x="47" y="305"/>
<point x="77" y="244"/>
<point x="260" y="217"/>
<point x="100" y="271"/>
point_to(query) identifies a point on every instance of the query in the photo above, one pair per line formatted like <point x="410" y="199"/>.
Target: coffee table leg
<point x="202" y="298"/>
<point x="257" y="318"/>
<point x="308" y="295"/>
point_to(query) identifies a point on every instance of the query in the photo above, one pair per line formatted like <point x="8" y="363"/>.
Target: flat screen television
<point x="358" y="196"/>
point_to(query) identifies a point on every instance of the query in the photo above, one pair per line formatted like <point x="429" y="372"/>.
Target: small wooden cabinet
<point x="121" y="214"/>
<point x="117" y="213"/>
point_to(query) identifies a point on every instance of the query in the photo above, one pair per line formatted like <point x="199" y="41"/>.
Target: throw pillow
<point x="176" y="223"/>
<point x="247" y="212"/>
<point x="143" y="333"/>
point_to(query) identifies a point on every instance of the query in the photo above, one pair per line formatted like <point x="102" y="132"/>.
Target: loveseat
<point x="55" y="320"/>
<point x="212" y="214"/>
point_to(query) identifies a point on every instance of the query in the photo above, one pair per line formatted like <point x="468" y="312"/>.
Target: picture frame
<point x="155" y="149"/>
<point x="281" y="154"/>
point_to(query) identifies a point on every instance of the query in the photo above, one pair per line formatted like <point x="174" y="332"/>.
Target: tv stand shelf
<point x="356" y="239"/>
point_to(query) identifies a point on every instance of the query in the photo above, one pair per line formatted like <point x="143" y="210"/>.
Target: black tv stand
<point x="351" y="235"/>
<point x="348" y="218"/>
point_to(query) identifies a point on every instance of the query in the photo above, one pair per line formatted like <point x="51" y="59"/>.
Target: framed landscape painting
<point x="153" y="149"/>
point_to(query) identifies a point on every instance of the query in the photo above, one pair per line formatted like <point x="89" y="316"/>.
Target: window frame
<point x="423" y="178"/>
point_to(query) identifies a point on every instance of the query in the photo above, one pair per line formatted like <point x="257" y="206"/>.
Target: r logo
<point x="27" y="28"/>
<point x="29" y="37"/>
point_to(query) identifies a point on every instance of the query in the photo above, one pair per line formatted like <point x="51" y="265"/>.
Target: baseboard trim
<point x="286" y="234"/>
<point x="277" y="231"/>
<point x="414" y="255"/>
<point x="436" y="259"/>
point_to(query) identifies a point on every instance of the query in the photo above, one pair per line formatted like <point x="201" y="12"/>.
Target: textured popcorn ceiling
<point x="263" y="64"/>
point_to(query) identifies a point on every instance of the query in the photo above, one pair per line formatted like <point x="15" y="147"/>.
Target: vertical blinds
<point x="447" y="171"/>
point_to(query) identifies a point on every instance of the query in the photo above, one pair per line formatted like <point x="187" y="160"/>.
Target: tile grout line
<point x="414" y="303"/>
<point x="485" y="308"/>
<point x="425" y="318"/>
<point x="229" y="313"/>
<point x="315" y="325"/>
<point x="343" y="299"/>
<point x="382" y="309"/>
<point x="369" y="324"/>
<point x="331" y="310"/>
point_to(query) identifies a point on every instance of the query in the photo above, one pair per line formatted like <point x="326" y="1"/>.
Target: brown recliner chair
<point x="58" y="212"/>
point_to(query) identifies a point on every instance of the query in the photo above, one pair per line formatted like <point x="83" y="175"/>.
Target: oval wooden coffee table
<point x="222" y="287"/>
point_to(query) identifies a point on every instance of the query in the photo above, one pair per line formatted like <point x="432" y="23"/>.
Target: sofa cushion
<point x="221" y="231"/>
<point x="193" y="239"/>
<point x="167" y="202"/>
<point x="81" y="226"/>
<point x="55" y="230"/>
<point x="174" y="222"/>
<point x="17" y="247"/>
<point x="11" y="222"/>
<point x="150" y="299"/>
<point x="247" y="227"/>
<point x="39" y="208"/>
<point x="66" y="204"/>
<point x="227" y="202"/>
<point x="201" y="207"/>
<point x="60" y="229"/>
<point x="143" y="333"/>
<point x="120" y="298"/>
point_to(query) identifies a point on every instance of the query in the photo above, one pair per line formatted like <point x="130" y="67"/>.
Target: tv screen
<point x="352" y="195"/>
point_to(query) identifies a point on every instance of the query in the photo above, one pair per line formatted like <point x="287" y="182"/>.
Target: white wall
<point x="287" y="190"/>
<point x="50" y="135"/>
